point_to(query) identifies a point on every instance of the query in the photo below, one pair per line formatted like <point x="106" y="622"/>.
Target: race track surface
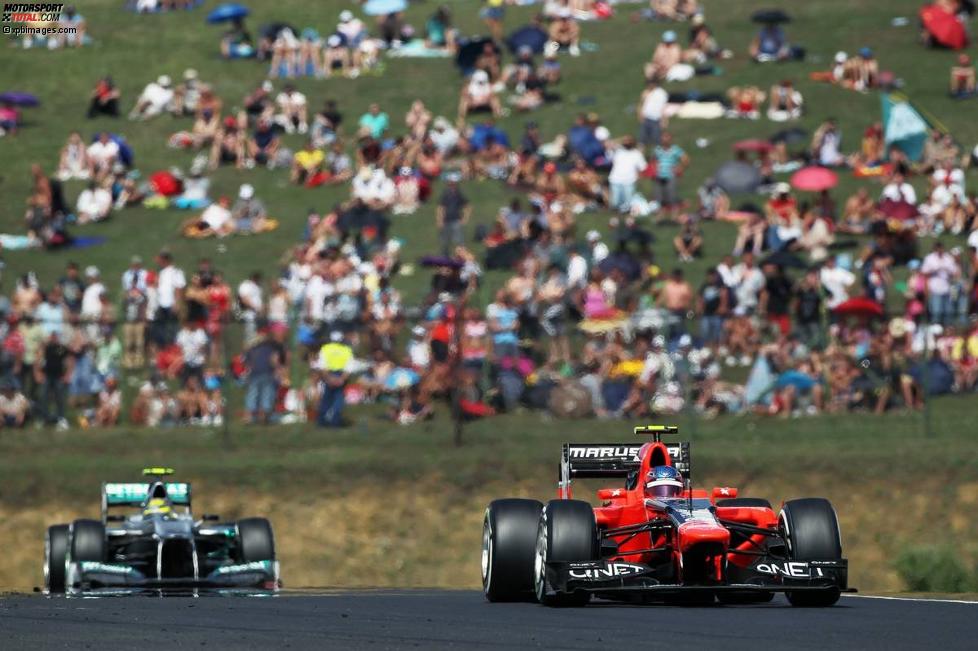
<point x="430" y="619"/>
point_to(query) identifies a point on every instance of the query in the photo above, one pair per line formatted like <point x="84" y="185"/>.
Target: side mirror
<point x="211" y="517"/>
<point x="724" y="492"/>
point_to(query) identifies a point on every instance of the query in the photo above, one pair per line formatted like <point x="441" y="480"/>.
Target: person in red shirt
<point x="781" y="209"/>
<point x="105" y="99"/>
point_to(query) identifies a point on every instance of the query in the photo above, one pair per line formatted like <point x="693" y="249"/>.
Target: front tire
<point x="509" y="535"/>
<point x="567" y="532"/>
<point x="810" y="529"/>
<point x="87" y="541"/>
<point x="256" y="542"/>
<point x="55" y="558"/>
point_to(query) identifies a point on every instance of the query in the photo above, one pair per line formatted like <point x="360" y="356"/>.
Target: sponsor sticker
<point x="790" y="569"/>
<point x="254" y="566"/>
<point x="609" y="570"/>
<point x="105" y="568"/>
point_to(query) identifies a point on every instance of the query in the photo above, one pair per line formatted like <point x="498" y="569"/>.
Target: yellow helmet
<point x="157" y="506"/>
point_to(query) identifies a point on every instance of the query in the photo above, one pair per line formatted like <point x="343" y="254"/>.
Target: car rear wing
<point x="134" y="494"/>
<point x="611" y="460"/>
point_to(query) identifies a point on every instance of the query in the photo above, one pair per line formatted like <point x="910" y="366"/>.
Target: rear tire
<point x="744" y="501"/>
<point x="811" y="530"/>
<point x="509" y="537"/>
<point x="567" y="532"/>
<point x="256" y="542"/>
<point x="55" y="558"/>
<point x="88" y="541"/>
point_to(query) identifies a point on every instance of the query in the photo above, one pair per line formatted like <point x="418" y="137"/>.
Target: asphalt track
<point x="434" y="619"/>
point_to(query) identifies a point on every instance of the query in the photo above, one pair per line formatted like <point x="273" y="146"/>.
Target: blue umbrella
<point x="18" y="98"/>
<point x="530" y="36"/>
<point x="227" y="11"/>
<point x="384" y="7"/>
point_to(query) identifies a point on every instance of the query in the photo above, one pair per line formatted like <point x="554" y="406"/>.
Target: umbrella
<point x="792" y="136"/>
<point x="227" y="11"/>
<point x="784" y="259"/>
<point x="814" y="179"/>
<point x="860" y="307"/>
<point x="469" y="50"/>
<point x="753" y="144"/>
<point x="384" y="7"/>
<point x="529" y="36"/>
<point x="944" y="27"/>
<point x="737" y="176"/>
<point x="898" y="209"/>
<point x="770" y="17"/>
<point x="18" y="98"/>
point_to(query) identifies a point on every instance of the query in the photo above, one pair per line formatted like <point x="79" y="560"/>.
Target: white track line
<point x="940" y="601"/>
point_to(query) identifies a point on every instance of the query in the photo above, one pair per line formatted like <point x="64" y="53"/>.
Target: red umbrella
<point x="901" y="210"/>
<point x="814" y="179"/>
<point x="944" y="27"/>
<point x="753" y="144"/>
<point x="861" y="307"/>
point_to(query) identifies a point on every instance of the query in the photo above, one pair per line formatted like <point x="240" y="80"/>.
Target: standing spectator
<point x="808" y="310"/>
<point x="451" y="215"/>
<point x="105" y="99"/>
<point x="651" y="113"/>
<point x="677" y="298"/>
<point x="91" y="304"/>
<point x="251" y="303"/>
<point x="776" y="296"/>
<point x="51" y="313"/>
<point x="334" y="358"/>
<point x="72" y="288"/>
<point x="262" y="362"/>
<point x="713" y="307"/>
<point x="627" y="163"/>
<point x="670" y="163"/>
<point x="748" y="283"/>
<point x="170" y="284"/>
<point x="194" y="345"/>
<point x="52" y="372"/>
<point x="836" y="282"/>
<point x="941" y="270"/>
<point x="504" y="323"/>
<point x="493" y="14"/>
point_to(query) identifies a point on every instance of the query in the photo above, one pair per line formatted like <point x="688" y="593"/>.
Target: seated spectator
<point x="565" y="32"/>
<point x="745" y="102"/>
<point x="309" y="60"/>
<point x="339" y="166"/>
<point x="784" y="102"/>
<point x="76" y="28"/>
<point x="285" y="54"/>
<point x="103" y="154"/>
<point x="963" y="77"/>
<point x="15" y="408"/>
<point x="770" y="44"/>
<point x="248" y="214"/>
<point x="236" y="42"/>
<point x="73" y="162"/>
<point x="689" y="242"/>
<point x="228" y="146"/>
<point x="827" y="145"/>
<point x="713" y="201"/>
<point x="105" y="99"/>
<point x="195" y="189"/>
<point x="336" y="57"/>
<point x="439" y="32"/>
<point x="215" y="221"/>
<point x="293" y="114"/>
<point x="351" y="29"/>
<point x="154" y="100"/>
<point x="898" y="190"/>
<point x="702" y="44"/>
<point x="478" y="95"/>
<point x="263" y="146"/>
<point x="857" y="213"/>
<point x="667" y="54"/>
<point x="94" y="204"/>
<point x="307" y="164"/>
<point x="865" y="69"/>
<point x="374" y="122"/>
<point x="108" y="404"/>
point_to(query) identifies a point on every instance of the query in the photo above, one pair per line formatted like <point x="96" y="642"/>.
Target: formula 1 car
<point x="655" y="538"/>
<point x="158" y="547"/>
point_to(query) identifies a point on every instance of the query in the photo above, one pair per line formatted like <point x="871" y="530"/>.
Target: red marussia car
<point x="654" y="537"/>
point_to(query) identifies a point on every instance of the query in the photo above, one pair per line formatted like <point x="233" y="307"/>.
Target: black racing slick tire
<point x="509" y="538"/>
<point x="810" y="529"/>
<point x="256" y="542"/>
<point x="744" y="501"/>
<point x="88" y="541"/>
<point x="55" y="558"/>
<point x="567" y="532"/>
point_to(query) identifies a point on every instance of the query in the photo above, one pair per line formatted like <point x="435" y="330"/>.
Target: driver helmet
<point x="158" y="502"/>
<point x="663" y="481"/>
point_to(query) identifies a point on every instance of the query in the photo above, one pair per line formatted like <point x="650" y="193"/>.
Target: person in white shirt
<point x="576" y="271"/>
<point x="941" y="270"/>
<point x="899" y="190"/>
<point x="836" y="282"/>
<point x="599" y="250"/>
<point x="374" y="188"/>
<point x="293" y="112"/>
<point x="154" y="100"/>
<point x="252" y="303"/>
<point x="102" y="155"/>
<point x="651" y="113"/>
<point x="193" y="343"/>
<point x="94" y="204"/>
<point x="627" y="163"/>
<point x="170" y="283"/>
<point x="91" y="303"/>
<point x="215" y="220"/>
<point x="748" y="282"/>
<point x="351" y="29"/>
